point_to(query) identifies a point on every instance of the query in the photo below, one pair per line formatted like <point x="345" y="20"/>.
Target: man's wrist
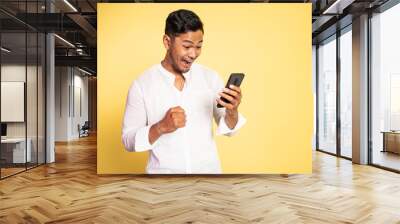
<point x="232" y="113"/>
<point x="231" y="118"/>
<point x="159" y="129"/>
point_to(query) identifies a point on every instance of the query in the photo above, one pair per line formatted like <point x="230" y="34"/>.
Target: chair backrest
<point x="86" y="125"/>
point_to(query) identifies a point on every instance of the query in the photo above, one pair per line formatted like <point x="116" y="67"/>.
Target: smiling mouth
<point x="187" y="63"/>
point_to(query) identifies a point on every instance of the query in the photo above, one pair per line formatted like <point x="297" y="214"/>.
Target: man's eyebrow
<point x="191" y="42"/>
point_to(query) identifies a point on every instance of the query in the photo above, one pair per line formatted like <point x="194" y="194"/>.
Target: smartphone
<point x="234" y="79"/>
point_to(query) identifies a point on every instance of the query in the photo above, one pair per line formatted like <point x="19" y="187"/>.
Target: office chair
<point x="84" y="130"/>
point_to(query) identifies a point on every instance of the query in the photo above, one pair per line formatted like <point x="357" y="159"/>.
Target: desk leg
<point x="384" y="143"/>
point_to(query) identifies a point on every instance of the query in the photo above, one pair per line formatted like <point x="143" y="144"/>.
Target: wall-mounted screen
<point x="12" y="101"/>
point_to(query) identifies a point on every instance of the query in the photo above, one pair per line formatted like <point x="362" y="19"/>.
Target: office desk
<point x="391" y="141"/>
<point x="15" y="148"/>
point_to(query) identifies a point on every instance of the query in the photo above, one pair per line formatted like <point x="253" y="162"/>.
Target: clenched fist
<point x="174" y="118"/>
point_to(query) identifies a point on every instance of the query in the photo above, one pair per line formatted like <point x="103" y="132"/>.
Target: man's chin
<point x="184" y="70"/>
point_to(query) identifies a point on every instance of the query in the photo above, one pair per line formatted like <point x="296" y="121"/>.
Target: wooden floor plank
<point x="70" y="191"/>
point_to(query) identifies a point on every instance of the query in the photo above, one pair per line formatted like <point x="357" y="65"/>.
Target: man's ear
<point x="167" y="42"/>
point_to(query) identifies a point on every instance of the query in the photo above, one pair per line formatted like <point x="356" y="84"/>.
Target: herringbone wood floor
<point x="70" y="191"/>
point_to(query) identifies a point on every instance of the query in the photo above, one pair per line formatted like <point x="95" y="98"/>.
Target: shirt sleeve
<point x="219" y="113"/>
<point x="223" y="128"/>
<point x="135" y="129"/>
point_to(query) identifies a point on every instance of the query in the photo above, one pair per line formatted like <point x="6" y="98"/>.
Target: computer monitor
<point x="3" y="129"/>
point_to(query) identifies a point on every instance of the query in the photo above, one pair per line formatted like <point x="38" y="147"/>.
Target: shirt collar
<point x="171" y="77"/>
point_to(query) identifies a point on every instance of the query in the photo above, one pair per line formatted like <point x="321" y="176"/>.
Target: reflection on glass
<point x="395" y="101"/>
<point x="13" y="85"/>
<point x="346" y="94"/>
<point x="327" y="96"/>
<point x="386" y="89"/>
<point x="41" y="98"/>
<point x="31" y="101"/>
<point x="22" y="90"/>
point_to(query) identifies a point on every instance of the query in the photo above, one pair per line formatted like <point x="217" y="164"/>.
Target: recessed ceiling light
<point x="338" y="6"/>
<point x="5" y="50"/>
<point x="64" y="40"/>
<point x="84" y="71"/>
<point x="71" y="6"/>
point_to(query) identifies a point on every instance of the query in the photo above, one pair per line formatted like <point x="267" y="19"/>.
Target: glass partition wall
<point x="22" y="87"/>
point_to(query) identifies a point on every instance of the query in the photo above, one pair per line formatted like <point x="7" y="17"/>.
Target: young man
<point x="170" y="107"/>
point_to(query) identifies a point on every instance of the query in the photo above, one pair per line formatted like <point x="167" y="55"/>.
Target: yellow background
<point x="270" y="43"/>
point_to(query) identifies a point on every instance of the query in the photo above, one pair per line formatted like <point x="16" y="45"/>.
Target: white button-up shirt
<point x="190" y="149"/>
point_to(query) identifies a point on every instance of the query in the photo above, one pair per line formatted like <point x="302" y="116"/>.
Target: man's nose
<point x="192" y="54"/>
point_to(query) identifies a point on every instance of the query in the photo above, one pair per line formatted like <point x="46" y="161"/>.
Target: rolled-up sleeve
<point x="223" y="128"/>
<point x="135" y="128"/>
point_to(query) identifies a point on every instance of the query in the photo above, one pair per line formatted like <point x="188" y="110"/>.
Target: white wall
<point x="81" y="103"/>
<point x="62" y="81"/>
<point x="12" y="101"/>
<point x="71" y="94"/>
<point x="12" y="73"/>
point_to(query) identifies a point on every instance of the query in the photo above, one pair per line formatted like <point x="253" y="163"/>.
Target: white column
<point x="50" y="110"/>
<point x="50" y="92"/>
<point x="360" y="90"/>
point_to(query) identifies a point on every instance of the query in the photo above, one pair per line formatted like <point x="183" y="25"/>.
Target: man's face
<point x="183" y="49"/>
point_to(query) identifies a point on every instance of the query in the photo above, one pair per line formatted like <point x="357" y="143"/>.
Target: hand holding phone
<point x="234" y="79"/>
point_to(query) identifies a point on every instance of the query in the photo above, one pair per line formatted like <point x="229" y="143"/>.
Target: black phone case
<point x="234" y="79"/>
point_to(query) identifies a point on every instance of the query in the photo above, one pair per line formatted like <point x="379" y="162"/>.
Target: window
<point x="346" y="93"/>
<point x="327" y="95"/>
<point x="385" y="88"/>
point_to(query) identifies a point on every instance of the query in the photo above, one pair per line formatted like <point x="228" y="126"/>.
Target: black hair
<point x="182" y="21"/>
